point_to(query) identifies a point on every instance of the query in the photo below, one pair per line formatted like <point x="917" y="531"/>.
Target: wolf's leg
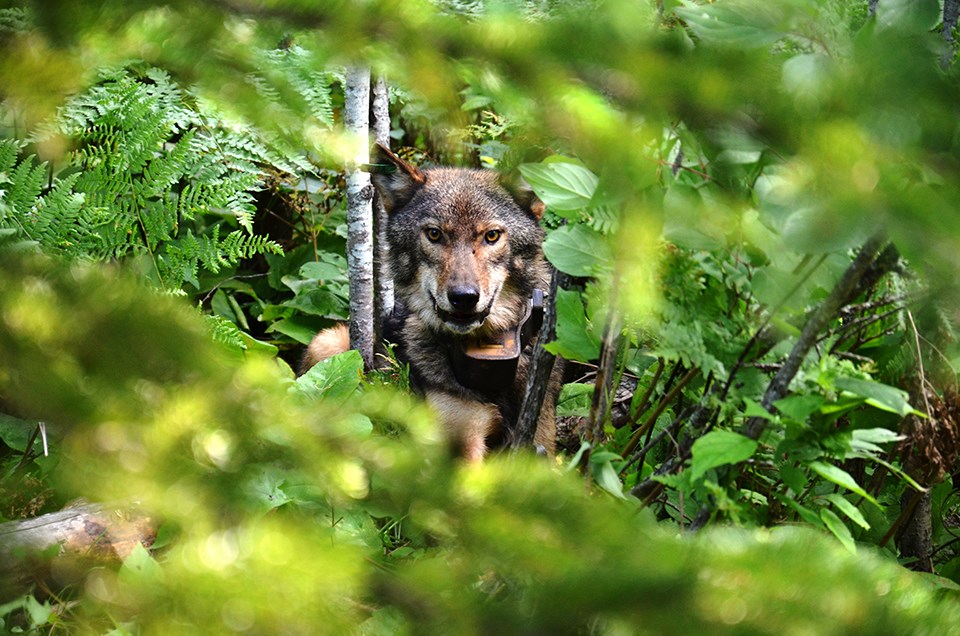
<point x="467" y="421"/>
<point x="325" y="344"/>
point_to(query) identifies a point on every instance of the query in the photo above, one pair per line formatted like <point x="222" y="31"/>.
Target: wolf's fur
<point x="465" y="256"/>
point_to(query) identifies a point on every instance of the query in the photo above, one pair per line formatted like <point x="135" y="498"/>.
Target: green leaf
<point x="574" y="400"/>
<point x="847" y="508"/>
<point x="564" y="187"/>
<point x="911" y="16"/>
<point x="799" y="407"/>
<point x="578" y="250"/>
<point x="329" y="267"/>
<point x="802" y="511"/>
<point x="333" y="378"/>
<point x="866" y="440"/>
<point x="719" y="448"/>
<point x="604" y="474"/>
<point x="735" y="24"/>
<point x="839" y="529"/>
<point x="793" y="477"/>
<point x="40" y="613"/>
<point x="842" y="478"/>
<point x="877" y="395"/>
<point x="755" y="409"/>
<point x="140" y="566"/>
<point x="15" y="432"/>
<point x="575" y="340"/>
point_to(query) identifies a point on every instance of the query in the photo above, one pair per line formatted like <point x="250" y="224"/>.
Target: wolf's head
<point x="465" y="253"/>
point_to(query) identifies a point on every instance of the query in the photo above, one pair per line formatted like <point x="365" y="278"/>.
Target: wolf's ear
<point x="395" y="179"/>
<point x="525" y="197"/>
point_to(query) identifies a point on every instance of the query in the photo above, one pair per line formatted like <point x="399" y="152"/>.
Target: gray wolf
<point x="464" y="251"/>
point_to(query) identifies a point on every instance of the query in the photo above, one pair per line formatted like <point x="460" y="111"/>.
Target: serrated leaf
<point x="842" y="478"/>
<point x="564" y="187"/>
<point x="847" y="508"/>
<point x="574" y="400"/>
<point x="719" y="448"/>
<point x="578" y="250"/>
<point x="839" y="529"/>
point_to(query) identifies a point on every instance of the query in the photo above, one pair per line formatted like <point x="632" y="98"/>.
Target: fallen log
<point x="56" y="549"/>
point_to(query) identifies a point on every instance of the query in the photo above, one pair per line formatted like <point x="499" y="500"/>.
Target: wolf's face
<point x="464" y="253"/>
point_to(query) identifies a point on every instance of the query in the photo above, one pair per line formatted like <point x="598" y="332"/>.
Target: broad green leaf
<point x="719" y="448"/>
<point x="575" y="340"/>
<point x="564" y="187"/>
<point x="329" y="267"/>
<point x="755" y="409"/>
<point x="295" y="327"/>
<point x="336" y="377"/>
<point x="15" y="432"/>
<point x="881" y="396"/>
<point x="793" y="477"/>
<point x="799" y="407"/>
<point x="847" y="508"/>
<point x="574" y="400"/>
<point x="578" y="250"/>
<point x="842" y="478"/>
<point x="735" y="24"/>
<point x="912" y="16"/>
<point x="320" y="302"/>
<point x="839" y="529"/>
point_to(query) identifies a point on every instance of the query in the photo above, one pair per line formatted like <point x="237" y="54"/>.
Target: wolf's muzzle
<point x="463" y="299"/>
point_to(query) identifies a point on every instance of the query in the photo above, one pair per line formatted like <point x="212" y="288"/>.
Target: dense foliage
<point x="750" y="202"/>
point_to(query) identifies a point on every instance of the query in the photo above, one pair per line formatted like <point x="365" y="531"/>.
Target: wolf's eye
<point x="433" y="234"/>
<point x="492" y="236"/>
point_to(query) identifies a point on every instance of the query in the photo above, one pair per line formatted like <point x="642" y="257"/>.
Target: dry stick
<point x="642" y="405"/>
<point x="661" y="407"/>
<point x="815" y="324"/>
<point x="538" y="378"/>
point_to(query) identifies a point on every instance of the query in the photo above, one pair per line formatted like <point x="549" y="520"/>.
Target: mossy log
<point x="57" y="548"/>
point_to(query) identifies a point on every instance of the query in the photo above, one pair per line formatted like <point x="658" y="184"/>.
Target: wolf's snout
<point x="463" y="298"/>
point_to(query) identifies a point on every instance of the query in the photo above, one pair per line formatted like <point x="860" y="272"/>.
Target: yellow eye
<point x="492" y="236"/>
<point x="433" y="234"/>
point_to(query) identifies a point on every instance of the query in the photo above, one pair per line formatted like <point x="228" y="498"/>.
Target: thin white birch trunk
<point x="381" y="132"/>
<point x="359" y="212"/>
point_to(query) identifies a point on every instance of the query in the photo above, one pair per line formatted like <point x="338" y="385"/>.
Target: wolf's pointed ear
<point x="395" y="179"/>
<point x="525" y="197"/>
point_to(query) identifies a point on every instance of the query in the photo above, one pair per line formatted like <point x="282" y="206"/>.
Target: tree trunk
<point x="359" y="212"/>
<point x="951" y="15"/>
<point x="61" y="546"/>
<point x="383" y="296"/>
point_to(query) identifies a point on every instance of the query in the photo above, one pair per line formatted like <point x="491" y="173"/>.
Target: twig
<point x="842" y="292"/>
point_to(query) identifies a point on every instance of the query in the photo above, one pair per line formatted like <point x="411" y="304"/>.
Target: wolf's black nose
<point x="463" y="298"/>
